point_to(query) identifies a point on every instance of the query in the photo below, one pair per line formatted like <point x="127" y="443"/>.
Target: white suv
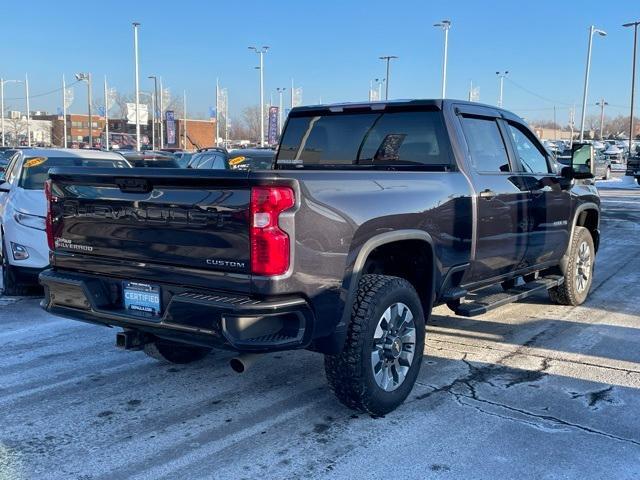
<point x="23" y="209"/>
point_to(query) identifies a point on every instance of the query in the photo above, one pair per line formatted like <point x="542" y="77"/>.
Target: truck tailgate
<point x="195" y="219"/>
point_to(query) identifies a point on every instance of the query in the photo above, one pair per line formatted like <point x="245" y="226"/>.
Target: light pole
<point x="280" y="92"/>
<point x="501" y="76"/>
<point x="261" y="53"/>
<point x="106" y="114"/>
<point x="602" y="33"/>
<point x="137" y="81"/>
<point x="633" y="77"/>
<point x="2" y="82"/>
<point x="445" y="25"/>
<point x="154" y="117"/>
<point x="86" y="77"/>
<point x="602" y="104"/>
<point x="388" y="59"/>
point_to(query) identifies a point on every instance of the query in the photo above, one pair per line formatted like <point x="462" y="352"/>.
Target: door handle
<point x="487" y="193"/>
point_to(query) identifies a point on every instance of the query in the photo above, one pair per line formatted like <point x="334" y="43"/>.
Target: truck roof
<point x="380" y="105"/>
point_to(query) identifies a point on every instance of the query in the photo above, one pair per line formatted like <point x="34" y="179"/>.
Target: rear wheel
<point x="172" y="352"/>
<point x="579" y="272"/>
<point x="381" y="358"/>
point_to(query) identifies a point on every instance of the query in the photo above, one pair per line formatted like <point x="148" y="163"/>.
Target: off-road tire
<point x="350" y="373"/>
<point x="171" y="352"/>
<point x="568" y="293"/>
<point x="10" y="285"/>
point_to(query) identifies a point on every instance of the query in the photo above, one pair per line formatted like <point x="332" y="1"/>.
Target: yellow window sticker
<point x="34" y="162"/>
<point x="237" y="160"/>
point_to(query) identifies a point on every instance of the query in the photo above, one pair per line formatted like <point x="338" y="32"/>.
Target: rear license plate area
<point x="142" y="299"/>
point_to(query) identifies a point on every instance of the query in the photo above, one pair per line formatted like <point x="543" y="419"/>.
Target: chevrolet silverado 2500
<point x="373" y="214"/>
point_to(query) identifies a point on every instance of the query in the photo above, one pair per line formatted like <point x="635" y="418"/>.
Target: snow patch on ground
<point x="620" y="182"/>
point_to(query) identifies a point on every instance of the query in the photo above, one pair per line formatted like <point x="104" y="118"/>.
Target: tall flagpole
<point x="161" y="102"/>
<point x="26" y="88"/>
<point x="217" y="111"/>
<point x="184" y="107"/>
<point x="106" y="114"/>
<point x="64" y="111"/>
<point x="137" y="80"/>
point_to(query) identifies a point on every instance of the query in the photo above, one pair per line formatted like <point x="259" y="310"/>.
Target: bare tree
<point x="251" y="117"/>
<point x="15" y="128"/>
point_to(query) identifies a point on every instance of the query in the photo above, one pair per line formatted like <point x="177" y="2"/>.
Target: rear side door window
<point x="530" y="156"/>
<point x="486" y="145"/>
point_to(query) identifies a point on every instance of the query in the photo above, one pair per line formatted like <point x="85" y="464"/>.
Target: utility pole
<point x="261" y="53"/>
<point x="633" y="78"/>
<point x="64" y="112"/>
<point x="555" y="124"/>
<point x="501" y="76"/>
<point x="602" y="104"/>
<point x="388" y="59"/>
<point x="602" y="33"/>
<point x="445" y="25"/>
<point x="137" y="81"/>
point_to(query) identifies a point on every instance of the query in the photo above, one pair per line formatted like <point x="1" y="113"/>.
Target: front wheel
<point x="579" y="272"/>
<point x="381" y="358"/>
<point x="172" y="352"/>
<point x="10" y="283"/>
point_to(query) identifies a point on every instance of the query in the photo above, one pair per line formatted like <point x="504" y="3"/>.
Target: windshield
<point x="35" y="170"/>
<point x="369" y="139"/>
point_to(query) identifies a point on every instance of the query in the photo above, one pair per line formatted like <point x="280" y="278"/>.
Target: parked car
<point x="183" y="158"/>
<point x="251" y="159"/>
<point x="23" y="210"/>
<point x="373" y="214"/>
<point x="602" y="162"/>
<point x="149" y="158"/>
<point x="210" y="159"/>
<point x="5" y="157"/>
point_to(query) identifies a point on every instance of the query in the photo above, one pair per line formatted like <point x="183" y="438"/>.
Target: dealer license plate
<point x="141" y="298"/>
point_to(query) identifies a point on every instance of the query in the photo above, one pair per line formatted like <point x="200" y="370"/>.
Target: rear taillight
<point x="49" y="220"/>
<point x="269" y="244"/>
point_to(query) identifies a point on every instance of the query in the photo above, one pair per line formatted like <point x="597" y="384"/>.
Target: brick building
<point x="200" y="133"/>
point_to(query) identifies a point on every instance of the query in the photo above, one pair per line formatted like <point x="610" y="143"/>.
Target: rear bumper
<point x="207" y="318"/>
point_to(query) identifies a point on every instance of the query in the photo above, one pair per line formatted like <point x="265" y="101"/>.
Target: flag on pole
<point x="296" y="97"/>
<point x="68" y="97"/>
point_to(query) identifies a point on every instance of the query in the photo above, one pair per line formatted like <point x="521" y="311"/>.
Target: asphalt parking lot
<point x="532" y="390"/>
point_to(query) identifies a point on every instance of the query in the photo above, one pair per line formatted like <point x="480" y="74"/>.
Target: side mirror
<point x="582" y="161"/>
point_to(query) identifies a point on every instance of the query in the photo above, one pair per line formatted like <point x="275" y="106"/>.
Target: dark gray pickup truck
<point x="373" y="214"/>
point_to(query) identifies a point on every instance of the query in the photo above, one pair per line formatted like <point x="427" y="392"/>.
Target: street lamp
<point x="137" y="82"/>
<point x="602" y="33"/>
<point x="154" y="119"/>
<point x="388" y="59"/>
<point x="280" y="92"/>
<point x="86" y="77"/>
<point x="445" y="25"/>
<point x="501" y="76"/>
<point x="261" y="52"/>
<point x="633" y="77"/>
<point x="2" y="82"/>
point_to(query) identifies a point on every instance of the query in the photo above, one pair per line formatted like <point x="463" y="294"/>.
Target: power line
<point x="530" y="92"/>
<point x="44" y="94"/>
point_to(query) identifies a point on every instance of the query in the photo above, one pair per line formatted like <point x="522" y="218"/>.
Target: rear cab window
<point x="365" y="139"/>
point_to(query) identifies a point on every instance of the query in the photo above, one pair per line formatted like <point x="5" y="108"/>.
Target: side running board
<point x="480" y="304"/>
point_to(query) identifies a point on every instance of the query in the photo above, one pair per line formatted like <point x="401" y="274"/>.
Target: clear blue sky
<point x="330" y="47"/>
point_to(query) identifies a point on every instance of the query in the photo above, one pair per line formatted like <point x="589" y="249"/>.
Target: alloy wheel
<point x="394" y="342"/>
